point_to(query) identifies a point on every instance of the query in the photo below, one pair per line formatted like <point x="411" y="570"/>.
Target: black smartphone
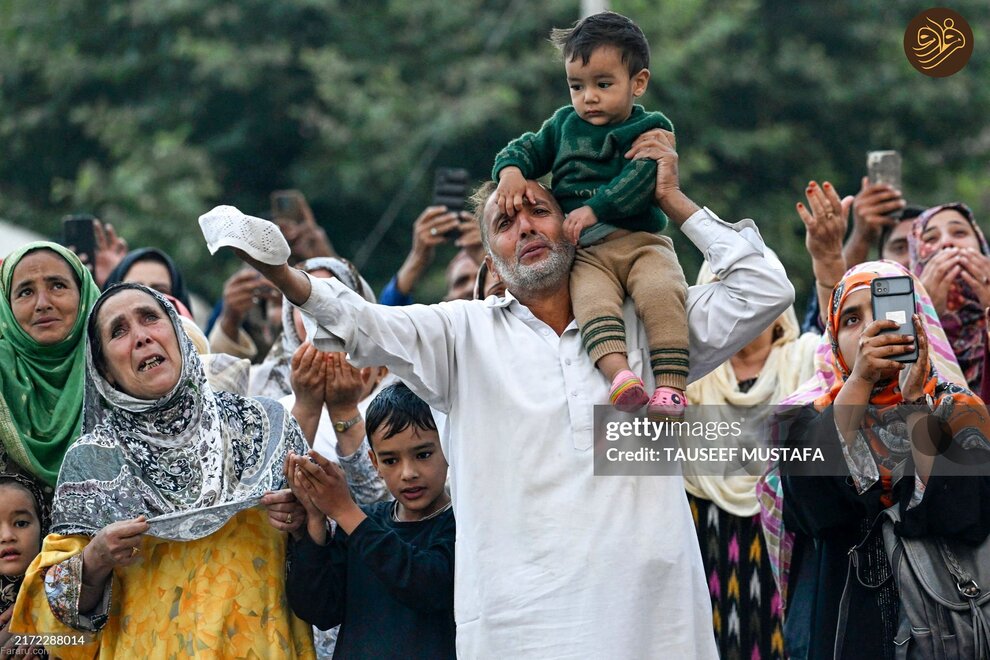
<point x="893" y="300"/>
<point x="450" y="188"/>
<point x="288" y="205"/>
<point x="77" y="231"/>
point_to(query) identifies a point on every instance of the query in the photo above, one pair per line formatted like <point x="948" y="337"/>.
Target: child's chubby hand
<point x="512" y="191"/>
<point x="577" y="220"/>
<point x="324" y="486"/>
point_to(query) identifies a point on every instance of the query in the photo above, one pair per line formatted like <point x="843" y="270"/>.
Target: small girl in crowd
<point x="23" y="523"/>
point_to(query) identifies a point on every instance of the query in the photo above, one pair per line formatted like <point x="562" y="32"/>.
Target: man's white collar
<point x="504" y="301"/>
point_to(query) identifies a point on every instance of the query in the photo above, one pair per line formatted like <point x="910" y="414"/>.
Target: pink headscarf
<point x="964" y="321"/>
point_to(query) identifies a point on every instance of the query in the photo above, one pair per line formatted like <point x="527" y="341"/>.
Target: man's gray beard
<point x="544" y="275"/>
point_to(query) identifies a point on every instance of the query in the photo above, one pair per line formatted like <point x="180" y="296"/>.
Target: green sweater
<point x="589" y="168"/>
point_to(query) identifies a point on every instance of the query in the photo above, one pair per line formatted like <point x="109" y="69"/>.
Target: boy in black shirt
<point x="385" y="573"/>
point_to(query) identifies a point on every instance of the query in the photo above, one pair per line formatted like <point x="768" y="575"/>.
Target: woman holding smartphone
<point x="854" y="409"/>
<point x="867" y="426"/>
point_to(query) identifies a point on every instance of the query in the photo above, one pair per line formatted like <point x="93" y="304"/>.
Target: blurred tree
<point x="149" y="112"/>
<point x="767" y="95"/>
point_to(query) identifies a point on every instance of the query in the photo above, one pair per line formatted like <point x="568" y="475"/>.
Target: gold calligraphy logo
<point x="938" y="42"/>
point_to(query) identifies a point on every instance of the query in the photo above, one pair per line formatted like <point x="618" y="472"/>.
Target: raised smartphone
<point x="884" y="167"/>
<point x="450" y="187"/>
<point x="288" y="205"/>
<point x="893" y="300"/>
<point x="78" y="232"/>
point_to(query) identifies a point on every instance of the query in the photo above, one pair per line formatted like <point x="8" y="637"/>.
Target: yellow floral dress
<point x="221" y="596"/>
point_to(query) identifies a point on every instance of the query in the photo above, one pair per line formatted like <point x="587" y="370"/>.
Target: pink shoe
<point x="628" y="393"/>
<point x="667" y="402"/>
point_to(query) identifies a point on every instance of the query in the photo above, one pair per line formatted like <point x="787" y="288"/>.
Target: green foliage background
<point x="149" y="112"/>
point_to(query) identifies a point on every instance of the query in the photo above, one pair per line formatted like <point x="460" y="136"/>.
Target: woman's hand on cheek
<point x="939" y="274"/>
<point x="975" y="271"/>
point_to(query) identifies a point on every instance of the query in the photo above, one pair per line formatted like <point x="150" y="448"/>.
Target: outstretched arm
<point x="414" y="342"/>
<point x="290" y="281"/>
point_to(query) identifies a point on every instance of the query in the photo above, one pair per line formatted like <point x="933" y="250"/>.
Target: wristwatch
<point x="342" y="426"/>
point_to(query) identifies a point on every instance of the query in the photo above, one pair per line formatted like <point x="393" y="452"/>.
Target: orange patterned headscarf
<point x="885" y="393"/>
<point x="958" y="408"/>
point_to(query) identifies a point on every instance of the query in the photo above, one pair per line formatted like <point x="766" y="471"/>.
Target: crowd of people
<point x="283" y="480"/>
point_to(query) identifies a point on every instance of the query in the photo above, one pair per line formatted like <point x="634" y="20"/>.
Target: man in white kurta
<point x="552" y="561"/>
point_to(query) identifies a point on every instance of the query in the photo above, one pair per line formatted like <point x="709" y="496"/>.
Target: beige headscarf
<point x="224" y="372"/>
<point x="790" y="362"/>
<point x="199" y="339"/>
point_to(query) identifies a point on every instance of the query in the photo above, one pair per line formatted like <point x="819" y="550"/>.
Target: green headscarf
<point x="41" y="387"/>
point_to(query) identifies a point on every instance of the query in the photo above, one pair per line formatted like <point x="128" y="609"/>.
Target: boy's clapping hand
<point x="512" y="191"/>
<point x="323" y="484"/>
<point x="315" y="520"/>
<point x="577" y="220"/>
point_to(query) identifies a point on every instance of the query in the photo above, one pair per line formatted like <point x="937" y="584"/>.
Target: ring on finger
<point x="134" y="551"/>
<point x="433" y="231"/>
<point x="288" y="519"/>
